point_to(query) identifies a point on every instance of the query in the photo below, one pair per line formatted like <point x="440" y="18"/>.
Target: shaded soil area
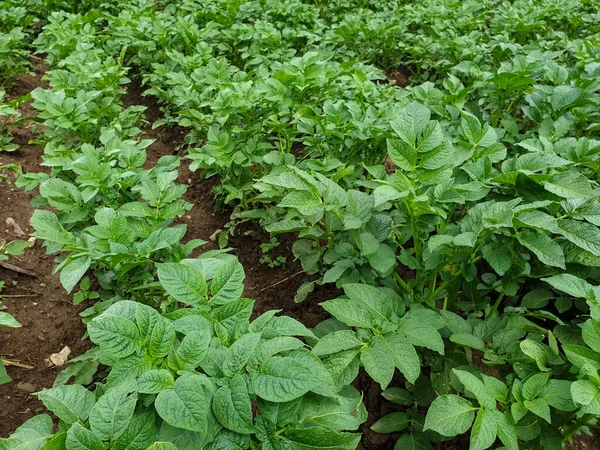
<point x="50" y="321"/>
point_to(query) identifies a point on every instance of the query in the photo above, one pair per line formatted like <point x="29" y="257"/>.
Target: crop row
<point x="460" y="217"/>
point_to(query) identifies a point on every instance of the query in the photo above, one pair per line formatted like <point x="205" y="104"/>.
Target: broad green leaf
<point x="477" y="388"/>
<point x="184" y="406"/>
<point x="232" y="407"/>
<point x="506" y="430"/>
<point x="391" y="423"/>
<point x="536" y="351"/>
<point x="193" y="348"/>
<point x="115" y="335"/>
<point x="582" y="234"/>
<point x="569" y="185"/>
<point x="32" y="435"/>
<point x="48" y="228"/>
<point x="467" y="340"/>
<point x="591" y="334"/>
<point x="319" y="438"/>
<point x="413" y="441"/>
<point x="449" y="415"/>
<point x="307" y="203"/>
<point x="405" y="356"/>
<point x="539" y="407"/>
<point x="240" y="353"/>
<point x="378" y="360"/>
<point x="80" y="438"/>
<point x="155" y="381"/>
<point x="337" y="341"/>
<point x="421" y="334"/>
<point x="498" y="257"/>
<point x="227" y="284"/>
<point x="112" y="412"/>
<point x="572" y="285"/>
<point x="139" y="435"/>
<point x="163" y="446"/>
<point x="73" y="271"/>
<point x="6" y="320"/>
<point x="185" y="283"/>
<point x="484" y="430"/>
<point x="587" y="394"/>
<point x="546" y="249"/>
<point x="71" y="403"/>
<point x="282" y="379"/>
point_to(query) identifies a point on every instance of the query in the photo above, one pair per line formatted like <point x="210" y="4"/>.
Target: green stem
<point x="495" y="307"/>
<point x="576" y="427"/>
<point x="401" y="282"/>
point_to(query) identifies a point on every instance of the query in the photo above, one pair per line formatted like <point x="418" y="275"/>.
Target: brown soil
<point x="48" y="318"/>
<point x="50" y="321"/>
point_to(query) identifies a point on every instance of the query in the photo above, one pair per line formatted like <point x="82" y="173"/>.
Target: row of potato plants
<point x="489" y="212"/>
<point x="178" y="362"/>
<point x="474" y="219"/>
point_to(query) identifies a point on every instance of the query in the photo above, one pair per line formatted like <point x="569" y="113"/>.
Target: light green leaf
<point x="477" y="388"/>
<point x="70" y="403"/>
<point x="232" y="407"/>
<point x="114" y="334"/>
<point x="449" y="415"/>
<point x="546" y="249"/>
<point x="185" y="283"/>
<point x="112" y="413"/>
<point x="6" y="320"/>
<point x="484" y="430"/>
<point x="80" y="438"/>
<point x="337" y="341"/>
<point x="378" y="360"/>
<point x="184" y="406"/>
<point x="582" y="234"/>
<point x="155" y="381"/>
<point x="282" y="379"/>
<point x="227" y="284"/>
<point x="406" y="358"/>
<point x="391" y="423"/>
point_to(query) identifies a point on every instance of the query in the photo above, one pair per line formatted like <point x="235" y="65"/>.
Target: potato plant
<point x="459" y="216"/>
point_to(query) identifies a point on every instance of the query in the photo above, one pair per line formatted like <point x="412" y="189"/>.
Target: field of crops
<point x="299" y="224"/>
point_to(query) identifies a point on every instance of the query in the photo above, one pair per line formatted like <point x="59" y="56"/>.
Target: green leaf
<point x="536" y="351"/>
<point x="391" y="423"/>
<point x="307" y="203"/>
<point x="112" y="412"/>
<point x="232" y="407"/>
<point x="184" y="283"/>
<point x="572" y="285"/>
<point x="421" y="334"/>
<point x="80" y="438"/>
<point x="591" y="334"/>
<point x="32" y="435"/>
<point x="569" y="185"/>
<point x="139" y="435"/>
<point x="319" y="438"/>
<point x="240" y="352"/>
<point x="413" y="441"/>
<point x="163" y="446"/>
<point x="402" y="154"/>
<point x="282" y="379"/>
<point x="539" y="407"/>
<point x="6" y="320"/>
<point x="467" y="340"/>
<point x="449" y="415"/>
<point x="115" y="335"/>
<point x="70" y="403"/>
<point x="587" y="394"/>
<point x="227" y="284"/>
<point x="48" y="228"/>
<point x="405" y="356"/>
<point x="506" y="430"/>
<point x="498" y="257"/>
<point x="155" y="381"/>
<point x="484" y="430"/>
<point x="72" y="272"/>
<point x="477" y="388"/>
<point x="193" y="348"/>
<point x="337" y="341"/>
<point x="378" y="360"/>
<point x="546" y="249"/>
<point x="582" y="234"/>
<point x="184" y="406"/>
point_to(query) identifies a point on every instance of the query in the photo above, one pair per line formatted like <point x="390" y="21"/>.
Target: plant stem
<point x="495" y="307"/>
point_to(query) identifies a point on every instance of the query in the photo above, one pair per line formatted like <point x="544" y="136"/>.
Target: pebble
<point x="42" y="284"/>
<point x="27" y="387"/>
